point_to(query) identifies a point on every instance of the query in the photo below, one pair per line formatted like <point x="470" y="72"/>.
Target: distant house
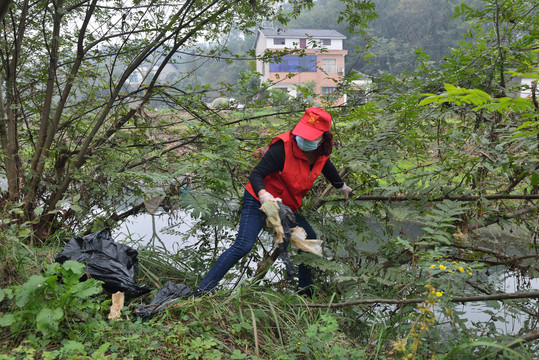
<point x="359" y="91"/>
<point x="525" y="86"/>
<point x="147" y="70"/>
<point x="322" y="63"/>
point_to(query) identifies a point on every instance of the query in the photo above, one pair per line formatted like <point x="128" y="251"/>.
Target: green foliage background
<point x="443" y="142"/>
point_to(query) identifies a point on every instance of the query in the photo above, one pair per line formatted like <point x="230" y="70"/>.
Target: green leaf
<point x="29" y="288"/>
<point x="428" y="100"/>
<point x="449" y="87"/>
<point x="48" y="319"/>
<point x="7" y="319"/>
<point x="102" y="349"/>
<point x="86" y="289"/>
<point x="76" y="208"/>
<point x="493" y="304"/>
<point x="534" y="179"/>
<point x="24" y="232"/>
<point x="6" y="294"/>
<point x="72" y="271"/>
<point x="73" y="347"/>
<point x="442" y="239"/>
<point x="236" y="354"/>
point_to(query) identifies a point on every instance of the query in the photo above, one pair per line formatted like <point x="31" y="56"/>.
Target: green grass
<point x="255" y="321"/>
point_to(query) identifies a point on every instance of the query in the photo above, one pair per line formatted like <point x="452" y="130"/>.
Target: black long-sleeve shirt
<point x="273" y="160"/>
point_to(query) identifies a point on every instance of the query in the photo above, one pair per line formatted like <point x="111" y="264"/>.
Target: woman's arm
<point x="330" y="172"/>
<point x="272" y="161"/>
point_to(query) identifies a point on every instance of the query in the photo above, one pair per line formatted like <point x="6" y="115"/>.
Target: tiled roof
<point x="315" y="33"/>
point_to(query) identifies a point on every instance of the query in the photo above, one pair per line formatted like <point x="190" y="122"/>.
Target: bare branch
<point x="512" y="215"/>
<point x="402" y="198"/>
<point x="4" y="7"/>
<point x="131" y="166"/>
<point x="528" y="337"/>
<point x="456" y="299"/>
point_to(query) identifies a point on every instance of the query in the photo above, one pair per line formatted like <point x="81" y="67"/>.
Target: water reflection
<point x="146" y="229"/>
<point x="162" y="231"/>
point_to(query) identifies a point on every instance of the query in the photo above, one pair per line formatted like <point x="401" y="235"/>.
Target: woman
<point x="287" y="171"/>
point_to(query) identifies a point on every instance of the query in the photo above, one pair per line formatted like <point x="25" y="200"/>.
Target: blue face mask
<point x="307" y="145"/>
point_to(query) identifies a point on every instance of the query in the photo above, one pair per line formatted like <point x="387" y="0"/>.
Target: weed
<point x="51" y="305"/>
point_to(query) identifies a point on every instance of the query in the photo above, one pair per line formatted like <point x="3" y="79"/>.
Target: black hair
<point x="326" y="144"/>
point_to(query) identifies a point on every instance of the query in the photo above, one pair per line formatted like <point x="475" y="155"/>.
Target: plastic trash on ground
<point x="115" y="312"/>
<point x="162" y="299"/>
<point x="113" y="263"/>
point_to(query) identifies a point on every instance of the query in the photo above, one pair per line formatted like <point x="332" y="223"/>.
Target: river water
<point x="146" y="228"/>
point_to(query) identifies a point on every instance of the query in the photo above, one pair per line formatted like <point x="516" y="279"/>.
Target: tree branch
<point x="515" y="214"/>
<point x="401" y="198"/>
<point x="531" y="336"/>
<point x="172" y="148"/>
<point x="456" y="299"/>
<point x="4" y="7"/>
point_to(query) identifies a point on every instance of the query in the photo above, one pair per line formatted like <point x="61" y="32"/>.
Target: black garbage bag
<point x="162" y="298"/>
<point x="288" y="221"/>
<point x="113" y="263"/>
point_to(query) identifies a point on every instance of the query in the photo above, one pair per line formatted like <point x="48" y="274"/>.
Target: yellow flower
<point x="443" y="267"/>
<point x="439" y="293"/>
<point x="470" y="273"/>
<point x="461" y="269"/>
<point x="432" y="266"/>
<point x="451" y="271"/>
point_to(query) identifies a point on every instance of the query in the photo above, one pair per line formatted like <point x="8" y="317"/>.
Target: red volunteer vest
<point x="296" y="179"/>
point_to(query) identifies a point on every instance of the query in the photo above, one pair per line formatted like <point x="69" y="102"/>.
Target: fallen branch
<point x="532" y="335"/>
<point x="516" y="305"/>
<point x="502" y="259"/>
<point x="513" y="264"/>
<point x="401" y="198"/>
<point x="528" y="337"/>
<point x="456" y="299"/>
<point x="485" y="223"/>
<point x="493" y="252"/>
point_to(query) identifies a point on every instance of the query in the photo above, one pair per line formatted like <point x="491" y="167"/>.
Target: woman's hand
<point x="264" y="196"/>
<point x="346" y="190"/>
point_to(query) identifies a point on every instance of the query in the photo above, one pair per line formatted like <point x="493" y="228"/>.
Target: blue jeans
<point x="251" y="223"/>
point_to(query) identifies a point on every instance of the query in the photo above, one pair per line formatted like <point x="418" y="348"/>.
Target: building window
<point x="278" y="41"/>
<point x="327" y="90"/>
<point x="329" y="65"/>
<point x="294" y="63"/>
<point x="326" y="42"/>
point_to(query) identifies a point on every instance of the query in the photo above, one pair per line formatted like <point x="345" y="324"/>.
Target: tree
<point x="70" y="101"/>
<point x="4" y="8"/>
<point x="67" y="104"/>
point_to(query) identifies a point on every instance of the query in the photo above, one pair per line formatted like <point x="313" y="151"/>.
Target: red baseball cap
<point x="313" y="124"/>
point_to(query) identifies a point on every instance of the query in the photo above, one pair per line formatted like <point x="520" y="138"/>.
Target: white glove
<point x="265" y="197"/>
<point x="346" y="190"/>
